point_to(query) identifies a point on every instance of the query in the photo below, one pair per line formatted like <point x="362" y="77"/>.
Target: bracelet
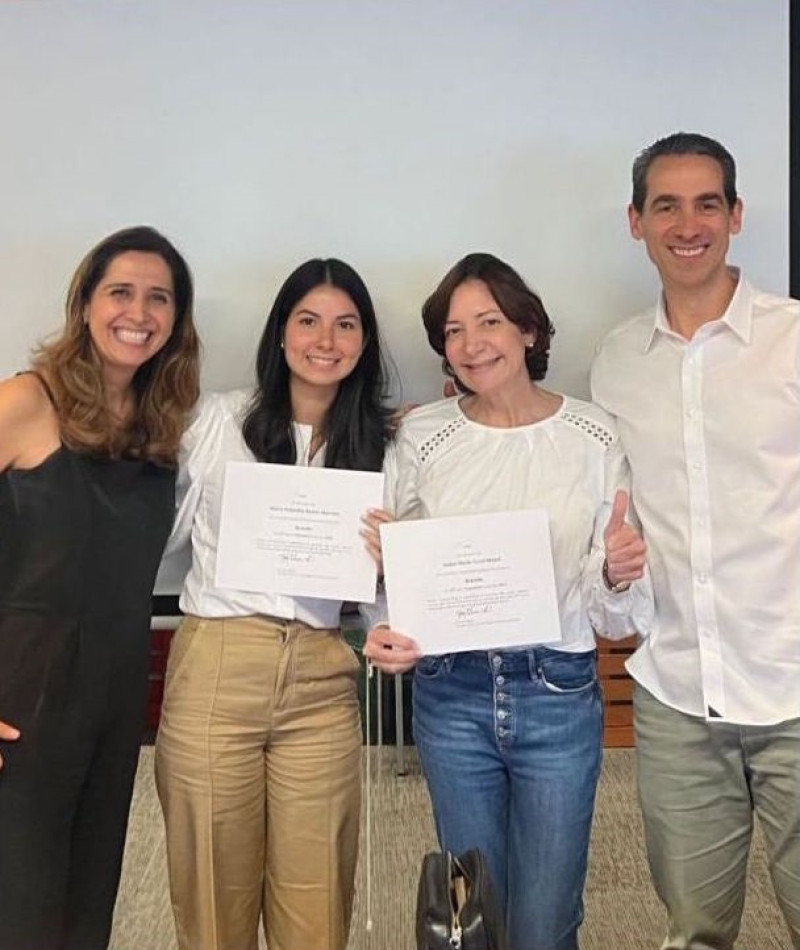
<point x="614" y="588"/>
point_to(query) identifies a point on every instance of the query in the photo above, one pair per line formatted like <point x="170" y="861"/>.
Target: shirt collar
<point x="738" y="317"/>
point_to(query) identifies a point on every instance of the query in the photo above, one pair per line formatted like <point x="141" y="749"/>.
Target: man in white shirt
<point x="704" y="388"/>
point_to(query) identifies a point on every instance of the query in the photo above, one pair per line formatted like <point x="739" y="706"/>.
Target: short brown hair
<point x="515" y="299"/>
<point x="683" y="143"/>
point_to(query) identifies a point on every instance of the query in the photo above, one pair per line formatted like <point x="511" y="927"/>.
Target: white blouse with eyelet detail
<point x="570" y="464"/>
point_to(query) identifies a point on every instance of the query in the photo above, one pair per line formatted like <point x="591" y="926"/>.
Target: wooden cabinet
<point x="617" y="691"/>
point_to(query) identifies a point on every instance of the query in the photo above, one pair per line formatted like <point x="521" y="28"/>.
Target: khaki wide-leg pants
<point x="258" y="772"/>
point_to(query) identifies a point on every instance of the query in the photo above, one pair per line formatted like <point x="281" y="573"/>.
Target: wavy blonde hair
<point x="165" y="388"/>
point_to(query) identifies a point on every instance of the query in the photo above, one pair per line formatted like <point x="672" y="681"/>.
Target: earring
<point x="529" y="346"/>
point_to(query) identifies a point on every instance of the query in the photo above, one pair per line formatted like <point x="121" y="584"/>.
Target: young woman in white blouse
<point x="511" y="740"/>
<point x="258" y="754"/>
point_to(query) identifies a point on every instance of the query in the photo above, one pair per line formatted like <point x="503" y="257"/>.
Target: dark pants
<point x="66" y="787"/>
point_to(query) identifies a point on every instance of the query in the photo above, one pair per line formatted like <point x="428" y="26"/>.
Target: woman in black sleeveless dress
<point x="88" y="445"/>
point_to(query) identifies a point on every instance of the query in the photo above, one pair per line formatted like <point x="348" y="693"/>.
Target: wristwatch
<point x="614" y="588"/>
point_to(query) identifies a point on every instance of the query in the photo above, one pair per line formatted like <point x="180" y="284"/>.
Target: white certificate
<point x="290" y="529"/>
<point x="477" y="582"/>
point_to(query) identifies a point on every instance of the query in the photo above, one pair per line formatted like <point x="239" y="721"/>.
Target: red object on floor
<point x="159" y="651"/>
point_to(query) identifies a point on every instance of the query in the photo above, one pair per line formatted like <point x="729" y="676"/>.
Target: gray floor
<point x="621" y="910"/>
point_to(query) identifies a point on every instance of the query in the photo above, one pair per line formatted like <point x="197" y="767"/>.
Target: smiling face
<point x="485" y="349"/>
<point x="130" y="313"/>
<point x="686" y="223"/>
<point x="323" y="339"/>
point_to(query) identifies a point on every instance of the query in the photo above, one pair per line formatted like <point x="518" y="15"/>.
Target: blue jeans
<point x="511" y="747"/>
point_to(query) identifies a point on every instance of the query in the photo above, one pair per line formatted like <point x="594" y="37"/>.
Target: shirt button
<point x="502" y="731"/>
<point x="692" y="413"/>
<point x="501" y="714"/>
<point x="497" y="661"/>
<point x="702" y="577"/>
<point x="696" y="466"/>
<point x="500" y="680"/>
<point x="501" y="697"/>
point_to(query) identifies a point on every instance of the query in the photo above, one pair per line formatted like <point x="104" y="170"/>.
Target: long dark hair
<point x="357" y="427"/>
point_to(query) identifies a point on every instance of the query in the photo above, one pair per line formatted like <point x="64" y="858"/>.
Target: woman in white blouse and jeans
<point x="511" y="740"/>
<point x="258" y="754"/>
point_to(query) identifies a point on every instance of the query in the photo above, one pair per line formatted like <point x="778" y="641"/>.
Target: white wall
<point x="397" y="134"/>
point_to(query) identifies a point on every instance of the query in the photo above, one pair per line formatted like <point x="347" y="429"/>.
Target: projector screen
<point x="397" y="136"/>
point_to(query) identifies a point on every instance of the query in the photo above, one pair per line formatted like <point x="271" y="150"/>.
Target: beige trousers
<point x="258" y="772"/>
<point x="699" y="784"/>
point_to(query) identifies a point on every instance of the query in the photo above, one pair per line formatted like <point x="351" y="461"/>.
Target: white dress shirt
<point x="711" y="428"/>
<point x="569" y="464"/>
<point x="215" y="438"/>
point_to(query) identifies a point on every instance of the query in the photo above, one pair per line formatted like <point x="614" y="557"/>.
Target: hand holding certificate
<point x="472" y="582"/>
<point x="295" y="530"/>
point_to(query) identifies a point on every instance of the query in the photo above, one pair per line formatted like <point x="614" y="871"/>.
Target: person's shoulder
<point x="217" y="406"/>
<point x="630" y="334"/>
<point x="589" y="419"/>
<point x="774" y="327"/>
<point x="23" y="400"/>
<point x="619" y="350"/>
<point x="27" y="417"/>
<point x="765" y="302"/>
<point x="428" y="417"/>
<point x="214" y="412"/>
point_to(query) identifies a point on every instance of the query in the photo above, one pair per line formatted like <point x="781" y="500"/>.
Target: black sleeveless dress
<point x="80" y="543"/>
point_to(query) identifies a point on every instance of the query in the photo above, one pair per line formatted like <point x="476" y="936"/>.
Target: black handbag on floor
<point x="456" y="904"/>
